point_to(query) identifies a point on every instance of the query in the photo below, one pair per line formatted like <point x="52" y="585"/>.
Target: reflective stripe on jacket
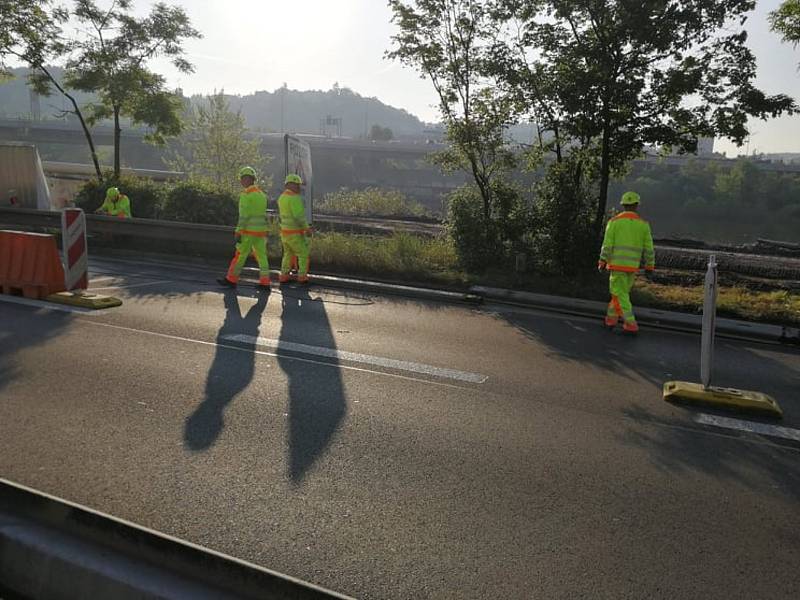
<point x="628" y="243"/>
<point x="292" y="213"/>
<point x="252" y="212"/>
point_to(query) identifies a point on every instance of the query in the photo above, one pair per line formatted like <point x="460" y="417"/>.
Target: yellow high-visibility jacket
<point x="292" y="213"/>
<point x="121" y="207"/>
<point x="628" y="243"/>
<point x="252" y="212"/>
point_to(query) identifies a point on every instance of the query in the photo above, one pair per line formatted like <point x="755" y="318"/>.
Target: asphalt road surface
<point x="393" y="448"/>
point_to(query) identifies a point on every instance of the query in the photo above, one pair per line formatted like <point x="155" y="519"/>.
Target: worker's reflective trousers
<point x="247" y="244"/>
<point x="620" y="284"/>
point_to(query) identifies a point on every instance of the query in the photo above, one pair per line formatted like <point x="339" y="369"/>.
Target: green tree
<point x="215" y="145"/>
<point x="31" y="31"/>
<point x="111" y="60"/>
<point x="380" y="134"/>
<point x="786" y="21"/>
<point x="25" y="26"/>
<point x="448" y="41"/>
<point x="608" y="78"/>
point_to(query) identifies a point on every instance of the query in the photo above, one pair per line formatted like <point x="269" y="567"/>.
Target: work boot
<point x="284" y="278"/>
<point x="302" y="279"/>
<point x="610" y="324"/>
<point x="224" y="281"/>
<point x="631" y="329"/>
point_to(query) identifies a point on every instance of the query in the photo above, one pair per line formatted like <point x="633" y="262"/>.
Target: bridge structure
<point x="338" y="162"/>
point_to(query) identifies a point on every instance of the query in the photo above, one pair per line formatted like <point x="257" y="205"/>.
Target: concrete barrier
<point x="30" y="264"/>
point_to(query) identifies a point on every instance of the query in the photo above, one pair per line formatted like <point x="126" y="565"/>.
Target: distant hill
<point x="338" y="111"/>
<point x="282" y="110"/>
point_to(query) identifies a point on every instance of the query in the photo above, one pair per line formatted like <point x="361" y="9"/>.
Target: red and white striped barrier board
<point x="76" y="256"/>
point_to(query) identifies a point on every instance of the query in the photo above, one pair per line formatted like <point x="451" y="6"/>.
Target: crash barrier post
<point x="76" y="253"/>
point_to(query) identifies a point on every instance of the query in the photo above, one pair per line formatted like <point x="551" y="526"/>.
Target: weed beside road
<point x="433" y="261"/>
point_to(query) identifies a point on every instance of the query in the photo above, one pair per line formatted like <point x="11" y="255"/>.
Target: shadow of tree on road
<point x="231" y="371"/>
<point x="677" y="448"/>
<point x="658" y="356"/>
<point x="317" y="404"/>
<point x="675" y="443"/>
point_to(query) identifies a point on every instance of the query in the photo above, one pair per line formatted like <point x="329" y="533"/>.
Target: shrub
<point x="466" y="226"/>
<point x="146" y="196"/>
<point x="561" y="239"/>
<point x="400" y="254"/>
<point x="371" y="202"/>
<point x="480" y="244"/>
<point x="197" y="203"/>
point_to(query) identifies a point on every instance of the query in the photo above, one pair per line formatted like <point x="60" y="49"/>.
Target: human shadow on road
<point x="317" y="403"/>
<point x="20" y="328"/>
<point x="231" y="371"/>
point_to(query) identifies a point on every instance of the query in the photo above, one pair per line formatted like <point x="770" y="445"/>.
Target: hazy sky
<point x="251" y="45"/>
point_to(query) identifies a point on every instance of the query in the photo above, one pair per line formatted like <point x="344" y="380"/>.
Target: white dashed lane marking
<point x="785" y="433"/>
<point x="379" y="361"/>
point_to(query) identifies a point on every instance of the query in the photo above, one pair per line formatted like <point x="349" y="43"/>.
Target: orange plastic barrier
<point x="30" y="264"/>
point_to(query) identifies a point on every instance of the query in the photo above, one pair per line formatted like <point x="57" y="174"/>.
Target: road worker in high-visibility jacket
<point x="251" y="231"/>
<point x="294" y="230"/>
<point x="627" y="246"/>
<point x="116" y="204"/>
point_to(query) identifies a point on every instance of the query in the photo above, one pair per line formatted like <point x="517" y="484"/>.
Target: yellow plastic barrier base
<point x="84" y="300"/>
<point x="725" y="398"/>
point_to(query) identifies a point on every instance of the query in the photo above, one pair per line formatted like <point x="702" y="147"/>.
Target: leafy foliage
<point x="27" y="27"/>
<point x="146" y="196"/>
<point x="215" y="145"/>
<point x="448" y="41"/>
<point x="613" y="77"/>
<point x="111" y="60"/>
<point x="786" y="21"/>
<point x="400" y="255"/>
<point x="715" y="202"/>
<point x="370" y="202"/>
<point x="560" y="239"/>
<point x="480" y="245"/>
<point x="602" y="80"/>
<point x="380" y="134"/>
<point x="197" y="203"/>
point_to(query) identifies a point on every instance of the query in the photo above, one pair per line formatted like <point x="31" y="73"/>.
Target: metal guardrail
<point x="82" y="172"/>
<point x="51" y="548"/>
<point x="144" y="228"/>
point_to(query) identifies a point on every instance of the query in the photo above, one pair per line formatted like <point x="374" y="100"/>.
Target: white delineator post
<point x="704" y="393"/>
<point x="709" y="323"/>
<point x="76" y="256"/>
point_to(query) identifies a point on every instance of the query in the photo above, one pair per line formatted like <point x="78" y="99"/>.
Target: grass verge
<point x="433" y="261"/>
<point x="779" y="307"/>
